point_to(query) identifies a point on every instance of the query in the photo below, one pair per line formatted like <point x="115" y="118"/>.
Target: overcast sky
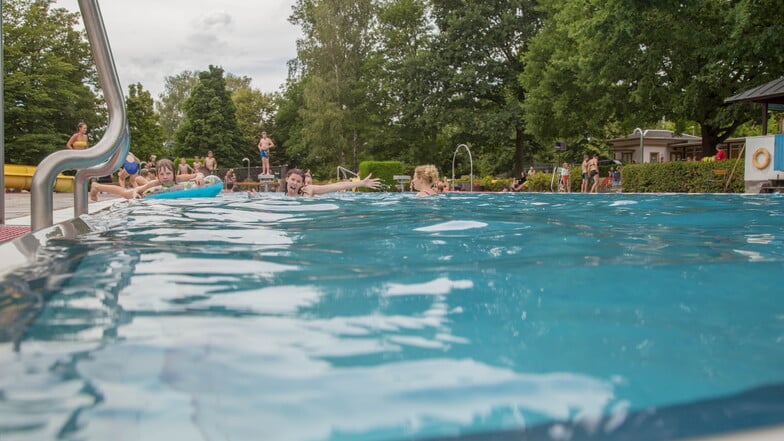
<point x="153" y="39"/>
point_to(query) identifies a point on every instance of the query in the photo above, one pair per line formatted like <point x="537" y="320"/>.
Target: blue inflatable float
<point x="212" y="186"/>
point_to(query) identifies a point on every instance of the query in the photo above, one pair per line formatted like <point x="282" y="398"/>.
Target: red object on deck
<point x="8" y="232"/>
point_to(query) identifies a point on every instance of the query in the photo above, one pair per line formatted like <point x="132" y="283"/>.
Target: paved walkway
<point x="17" y="211"/>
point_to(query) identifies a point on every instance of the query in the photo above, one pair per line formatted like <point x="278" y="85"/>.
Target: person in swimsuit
<point x="230" y="179"/>
<point x="165" y="181"/>
<point x="586" y="176"/>
<point x="184" y="168"/>
<point x="130" y="169"/>
<point x="295" y="184"/>
<point x="265" y="144"/>
<point x="566" y="185"/>
<point x="593" y="171"/>
<point x="197" y="165"/>
<point x="78" y="141"/>
<point x="425" y="180"/>
<point x="211" y="163"/>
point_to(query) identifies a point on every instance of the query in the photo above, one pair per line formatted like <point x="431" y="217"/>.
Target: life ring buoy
<point x="761" y="165"/>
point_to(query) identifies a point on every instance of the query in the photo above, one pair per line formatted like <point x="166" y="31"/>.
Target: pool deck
<point x="17" y="211"/>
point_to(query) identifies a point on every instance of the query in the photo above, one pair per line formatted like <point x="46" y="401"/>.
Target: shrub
<point x="384" y="170"/>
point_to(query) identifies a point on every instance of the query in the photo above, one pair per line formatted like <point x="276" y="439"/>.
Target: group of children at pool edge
<point x="424" y="181"/>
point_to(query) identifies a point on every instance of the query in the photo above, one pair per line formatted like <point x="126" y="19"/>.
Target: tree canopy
<point x="143" y="123"/>
<point x="210" y="121"/>
<point x="50" y="80"/>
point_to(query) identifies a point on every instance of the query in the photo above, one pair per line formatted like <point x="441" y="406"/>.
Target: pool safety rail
<point x="470" y="159"/>
<point x="108" y="154"/>
<point x="344" y="173"/>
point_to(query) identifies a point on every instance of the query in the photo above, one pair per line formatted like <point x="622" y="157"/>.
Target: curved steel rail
<point x="107" y="154"/>
<point x="472" y="166"/>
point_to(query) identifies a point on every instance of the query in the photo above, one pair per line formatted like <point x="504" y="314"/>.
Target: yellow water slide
<point x="20" y="177"/>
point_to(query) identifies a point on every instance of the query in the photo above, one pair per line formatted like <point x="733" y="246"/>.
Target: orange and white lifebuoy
<point x="763" y="164"/>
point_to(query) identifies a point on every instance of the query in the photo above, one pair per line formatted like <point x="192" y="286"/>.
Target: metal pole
<point x="2" y="121"/>
<point x="470" y="159"/>
<point x="107" y="154"/>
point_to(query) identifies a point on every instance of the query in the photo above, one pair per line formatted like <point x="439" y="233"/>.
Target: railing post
<point x="107" y="154"/>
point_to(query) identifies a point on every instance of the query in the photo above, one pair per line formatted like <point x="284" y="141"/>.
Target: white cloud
<point x="153" y="39"/>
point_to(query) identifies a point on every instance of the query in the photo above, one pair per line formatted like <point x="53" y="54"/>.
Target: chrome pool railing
<point x="107" y="154"/>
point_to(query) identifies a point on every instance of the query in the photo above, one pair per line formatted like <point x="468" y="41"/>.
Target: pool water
<point x="387" y="317"/>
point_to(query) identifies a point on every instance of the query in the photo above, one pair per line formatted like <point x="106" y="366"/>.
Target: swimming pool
<point x="389" y="317"/>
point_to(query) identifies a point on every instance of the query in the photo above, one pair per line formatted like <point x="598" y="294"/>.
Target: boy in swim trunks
<point x="165" y="181"/>
<point x="211" y="163"/>
<point x="264" y="145"/>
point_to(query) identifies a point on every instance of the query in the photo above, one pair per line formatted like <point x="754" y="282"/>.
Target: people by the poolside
<point x="78" y="141"/>
<point x="265" y="144"/>
<point x="565" y="184"/>
<point x="593" y="171"/>
<point x="130" y="171"/>
<point x="308" y="177"/>
<point x="442" y="185"/>
<point x="197" y="164"/>
<point x="151" y="163"/>
<point x="616" y="177"/>
<point x="295" y="184"/>
<point x="721" y="154"/>
<point x="184" y="168"/>
<point x="586" y="177"/>
<point x="519" y="184"/>
<point x="211" y="163"/>
<point x="230" y="179"/>
<point x="166" y="181"/>
<point x="531" y="170"/>
<point x="425" y="180"/>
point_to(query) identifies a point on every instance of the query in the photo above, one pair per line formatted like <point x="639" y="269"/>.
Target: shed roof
<point x="772" y="93"/>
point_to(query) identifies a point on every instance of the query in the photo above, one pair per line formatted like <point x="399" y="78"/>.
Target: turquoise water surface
<point x="388" y="317"/>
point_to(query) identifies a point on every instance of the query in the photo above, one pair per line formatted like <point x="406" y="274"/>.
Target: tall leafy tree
<point x="332" y="55"/>
<point x="170" y="107"/>
<point x="478" y="50"/>
<point x="401" y="68"/>
<point x="210" y="121"/>
<point x="600" y="62"/>
<point x="143" y="123"/>
<point x="50" y="80"/>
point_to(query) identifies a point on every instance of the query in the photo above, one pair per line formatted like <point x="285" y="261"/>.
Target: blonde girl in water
<point x="78" y="140"/>
<point x="425" y="180"/>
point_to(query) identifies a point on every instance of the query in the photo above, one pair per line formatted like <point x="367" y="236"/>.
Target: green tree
<point x="255" y="113"/>
<point x="143" y="123"/>
<point x="50" y="80"/>
<point x="210" y="121"/>
<point x="332" y="55"/>
<point x="401" y="67"/>
<point x="177" y="89"/>
<point x="597" y="63"/>
<point x="478" y="50"/>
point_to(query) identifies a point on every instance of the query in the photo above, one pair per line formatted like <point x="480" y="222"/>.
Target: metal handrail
<point x="344" y="172"/>
<point x="472" y="166"/>
<point x="107" y="155"/>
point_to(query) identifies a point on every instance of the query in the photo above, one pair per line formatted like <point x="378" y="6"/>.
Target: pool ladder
<point x="108" y="154"/>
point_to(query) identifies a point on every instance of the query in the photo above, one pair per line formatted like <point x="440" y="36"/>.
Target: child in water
<point x="425" y="180"/>
<point x="296" y="184"/>
<point x="165" y="181"/>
